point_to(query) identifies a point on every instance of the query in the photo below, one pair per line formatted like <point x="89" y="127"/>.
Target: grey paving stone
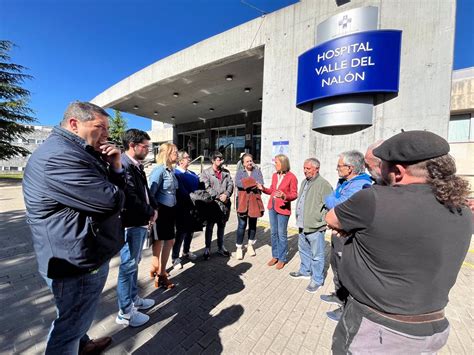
<point x="191" y="339"/>
<point x="221" y="306"/>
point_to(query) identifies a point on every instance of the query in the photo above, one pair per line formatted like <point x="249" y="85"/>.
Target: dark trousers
<point x="220" y="234"/>
<point x="361" y="330"/>
<point x="336" y="258"/>
<point x="252" y="222"/>
<point x="182" y="238"/>
<point x="76" y="300"/>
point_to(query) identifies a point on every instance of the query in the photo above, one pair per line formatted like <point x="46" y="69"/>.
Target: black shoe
<point x="207" y="255"/>
<point x="224" y="252"/>
<point x="336" y="314"/>
<point x="331" y="299"/>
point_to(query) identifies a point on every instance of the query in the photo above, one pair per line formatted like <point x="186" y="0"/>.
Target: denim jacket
<point x="163" y="185"/>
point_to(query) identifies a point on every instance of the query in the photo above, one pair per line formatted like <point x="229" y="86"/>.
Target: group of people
<point x="399" y="235"/>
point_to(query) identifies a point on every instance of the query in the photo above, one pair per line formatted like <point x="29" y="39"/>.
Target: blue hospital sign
<point x="358" y="63"/>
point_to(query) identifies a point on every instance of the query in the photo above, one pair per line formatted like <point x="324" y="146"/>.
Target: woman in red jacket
<point x="283" y="190"/>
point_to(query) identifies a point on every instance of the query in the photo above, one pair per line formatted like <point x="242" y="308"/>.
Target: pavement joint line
<point x="465" y="263"/>
<point x="259" y="292"/>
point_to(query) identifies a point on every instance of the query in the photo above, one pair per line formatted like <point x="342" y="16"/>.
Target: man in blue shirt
<point x="350" y="168"/>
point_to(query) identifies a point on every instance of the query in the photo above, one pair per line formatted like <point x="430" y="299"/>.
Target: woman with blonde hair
<point x="163" y="185"/>
<point x="283" y="190"/>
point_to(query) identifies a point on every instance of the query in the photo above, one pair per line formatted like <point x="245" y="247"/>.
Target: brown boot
<point x="163" y="281"/>
<point x="280" y="265"/>
<point x="272" y="261"/>
<point x="95" y="346"/>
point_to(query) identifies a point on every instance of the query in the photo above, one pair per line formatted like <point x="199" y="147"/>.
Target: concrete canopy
<point x="202" y="93"/>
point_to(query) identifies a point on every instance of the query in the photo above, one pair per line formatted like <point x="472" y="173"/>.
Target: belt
<point x="415" y="318"/>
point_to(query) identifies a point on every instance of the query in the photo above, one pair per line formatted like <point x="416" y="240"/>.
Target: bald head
<point x="372" y="163"/>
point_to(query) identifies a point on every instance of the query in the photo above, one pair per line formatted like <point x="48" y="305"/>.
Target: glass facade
<point x="461" y="128"/>
<point x="230" y="141"/>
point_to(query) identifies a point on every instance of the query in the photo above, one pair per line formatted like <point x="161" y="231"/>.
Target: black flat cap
<point x="412" y="146"/>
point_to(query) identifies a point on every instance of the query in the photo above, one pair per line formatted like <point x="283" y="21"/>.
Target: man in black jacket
<point x="139" y="213"/>
<point x="72" y="189"/>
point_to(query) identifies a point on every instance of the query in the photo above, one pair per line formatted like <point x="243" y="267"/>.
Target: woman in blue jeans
<point x="283" y="190"/>
<point x="249" y="203"/>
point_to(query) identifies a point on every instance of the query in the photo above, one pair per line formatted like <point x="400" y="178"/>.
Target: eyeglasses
<point x="340" y="166"/>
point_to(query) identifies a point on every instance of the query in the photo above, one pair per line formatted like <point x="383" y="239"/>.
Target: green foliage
<point x="14" y="110"/>
<point x="11" y="176"/>
<point x="117" y="127"/>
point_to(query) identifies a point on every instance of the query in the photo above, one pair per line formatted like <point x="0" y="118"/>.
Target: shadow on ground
<point x="186" y="319"/>
<point x="24" y="323"/>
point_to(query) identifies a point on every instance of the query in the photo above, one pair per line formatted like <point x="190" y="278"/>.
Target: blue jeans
<point x="220" y="234"/>
<point x="76" y="301"/>
<point x="130" y="256"/>
<point x="279" y="234"/>
<point x="311" y="248"/>
<point x="182" y="238"/>
<point x="241" y="228"/>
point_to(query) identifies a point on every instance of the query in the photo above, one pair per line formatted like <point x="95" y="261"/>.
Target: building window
<point x="13" y="168"/>
<point x="31" y="141"/>
<point x="461" y="128"/>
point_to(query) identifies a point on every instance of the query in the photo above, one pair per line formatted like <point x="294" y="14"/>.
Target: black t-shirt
<point x="406" y="249"/>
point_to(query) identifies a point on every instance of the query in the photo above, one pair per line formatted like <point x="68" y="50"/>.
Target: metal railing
<point x="223" y="150"/>
<point x="201" y="157"/>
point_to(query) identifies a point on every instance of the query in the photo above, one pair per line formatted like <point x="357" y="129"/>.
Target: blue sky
<point x="75" y="49"/>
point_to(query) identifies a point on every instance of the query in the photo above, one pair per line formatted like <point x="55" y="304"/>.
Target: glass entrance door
<point x="194" y="143"/>
<point x="230" y="141"/>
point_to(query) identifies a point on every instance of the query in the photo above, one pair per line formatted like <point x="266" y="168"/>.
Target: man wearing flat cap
<point x="406" y="246"/>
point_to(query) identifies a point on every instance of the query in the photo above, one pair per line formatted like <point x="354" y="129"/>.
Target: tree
<point x="118" y="126"/>
<point x="15" y="114"/>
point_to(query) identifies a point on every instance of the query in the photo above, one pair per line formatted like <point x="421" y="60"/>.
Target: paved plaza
<point x="219" y="306"/>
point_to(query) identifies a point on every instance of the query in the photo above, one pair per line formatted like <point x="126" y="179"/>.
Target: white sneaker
<point x="177" y="264"/>
<point x="143" y="303"/>
<point x="251" y="250"/>
<point x="239" y="254"/>
<point x="132" y="319"/>
<point x="191" y="256"/>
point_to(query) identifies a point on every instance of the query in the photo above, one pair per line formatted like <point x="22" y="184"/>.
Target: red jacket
<point x="289" y="186"/>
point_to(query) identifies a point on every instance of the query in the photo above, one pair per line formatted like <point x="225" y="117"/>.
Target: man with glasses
<point x="352" y="178"/>
<point x="140" y="212"/>
<point x="73" y="190"/>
